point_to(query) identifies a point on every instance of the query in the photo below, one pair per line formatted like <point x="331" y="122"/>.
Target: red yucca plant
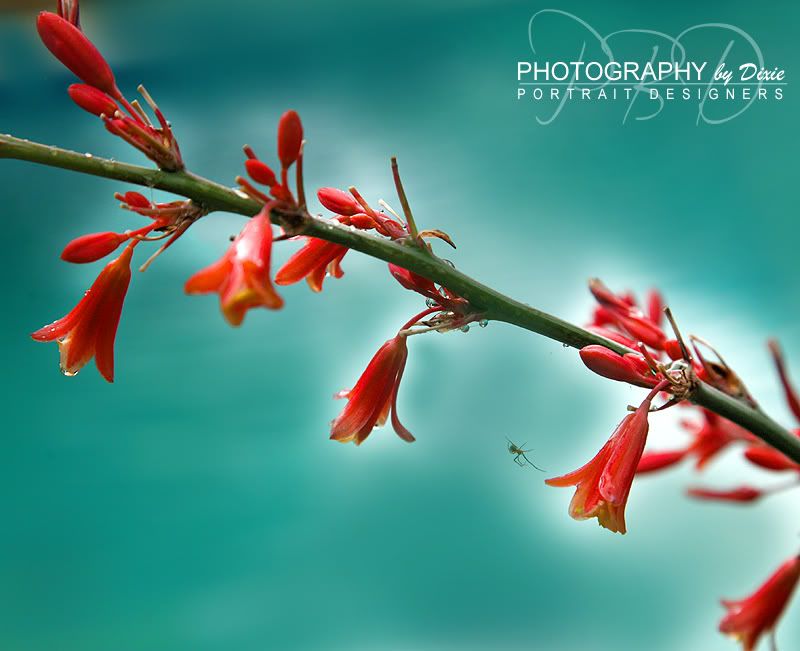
<point x="623" y="341"/>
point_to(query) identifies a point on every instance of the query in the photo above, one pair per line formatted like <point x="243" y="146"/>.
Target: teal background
<point x="197" y="503"/>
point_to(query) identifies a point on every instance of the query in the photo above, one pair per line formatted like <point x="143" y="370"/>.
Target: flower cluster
<point x="99" y="93"/>
<point x="632" y="343"/>
<point x="652" y="360"/>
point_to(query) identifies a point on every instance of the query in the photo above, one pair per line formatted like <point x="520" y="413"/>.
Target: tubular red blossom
<point x="69" y="45"/>
<point x="92" y="247"/>
<point x="92" y="100"/>
<point x="90" y="328"/>
<point x="622" y="312"/>
<point x="242" y="275"/>
<point x="338" y="201"/>
<point x="290" y="138"/>
<point x="792" y="397"/>
<point x="749" y="618"/>
<point x="312" y="262"/>
<point x="631" y="368"/>
<point x="740" y="494"/>
<point x="603" y="484"/>
<point x="374" y="396"/>
<point x="770" y="459"/>
<point x="654" y="461"/>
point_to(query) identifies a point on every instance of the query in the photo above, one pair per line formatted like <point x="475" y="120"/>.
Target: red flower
<point x="313" y="262"/>
<point x="769" y="458"/>
<point x="89" y="329"/>
<point x="748" y="619"/>
<point x="653" y="461"/>
<point x="740" y="494"/>
<point x="374" y="396"/>
<point x="603" y="484"/>
<point x="241" y="276"/>
<point x="623" y="313"/>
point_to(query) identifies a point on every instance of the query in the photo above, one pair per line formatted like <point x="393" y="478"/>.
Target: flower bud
<point x="76" y="52"/>
<point x="92" y="100"/>
<point x="622" y="368"/>
<point x="338" y="201"/>
<point x="92" y="247"/>
<point x="260" y="172"/>
<point x="290" y="138"/>
<point x="136" y="200"/>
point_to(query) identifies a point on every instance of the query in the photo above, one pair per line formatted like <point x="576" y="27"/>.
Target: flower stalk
<point x="210" y="197"/>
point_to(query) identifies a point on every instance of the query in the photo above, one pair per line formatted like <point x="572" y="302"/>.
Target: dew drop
<point x="87" y="155"/>
<point x="431" y="302"/>
<point x="483" y="323"/>
<point x="67" y="373"/>
<point x="464" y="328"/>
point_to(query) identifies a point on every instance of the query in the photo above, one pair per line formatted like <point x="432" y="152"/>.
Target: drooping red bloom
<point x="90" y="328"/>
<point x="314" y="262"/>
<point x="603" y="484"/>
<point x="374" y="396"/>
<point x="749" y="618"/>
<point x="242" y="275"/>
<point x="622" y="312"/>
<point x="70" y="46"/>
<point x="739" y="494"/>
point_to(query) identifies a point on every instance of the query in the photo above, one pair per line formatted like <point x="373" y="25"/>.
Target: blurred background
<point x="197" y="503"/>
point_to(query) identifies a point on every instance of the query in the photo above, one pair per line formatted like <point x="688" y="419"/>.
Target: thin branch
<point x="492" y="304"/>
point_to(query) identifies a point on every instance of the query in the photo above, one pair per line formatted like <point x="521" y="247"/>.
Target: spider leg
<point x="532" y="464"/>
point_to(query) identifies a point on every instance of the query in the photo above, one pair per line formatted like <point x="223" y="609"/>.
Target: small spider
<point x="519" y="455"/>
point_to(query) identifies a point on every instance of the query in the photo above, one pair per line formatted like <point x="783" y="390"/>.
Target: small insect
<point x="519" y="455"/>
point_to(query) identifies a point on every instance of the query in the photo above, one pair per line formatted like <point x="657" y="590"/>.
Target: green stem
<point x="491" y="303"/>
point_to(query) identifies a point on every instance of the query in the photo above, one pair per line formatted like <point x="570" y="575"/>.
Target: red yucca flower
<point x="317" y="259"/>
<point x="89" y="329"/>
<point x="748" y="619"/>
<point x="603" y="484"/>
<point x="242" y="276"/>
<point x="374" y="396"/>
